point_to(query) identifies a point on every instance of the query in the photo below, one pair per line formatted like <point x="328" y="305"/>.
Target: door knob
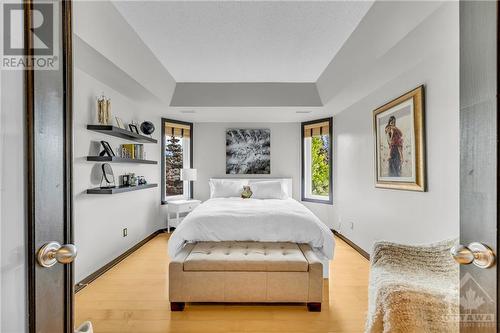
<point x="53" y="252"/>
<point x="476" y="253"/>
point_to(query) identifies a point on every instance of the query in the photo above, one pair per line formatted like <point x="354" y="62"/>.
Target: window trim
<point x="163" y="121"/>
<point x="328" y="201"/>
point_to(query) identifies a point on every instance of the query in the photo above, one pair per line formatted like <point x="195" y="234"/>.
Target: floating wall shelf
<point x="121" y="133"/>
<point x="117" y="159"/>
<point x="120" y="189"/>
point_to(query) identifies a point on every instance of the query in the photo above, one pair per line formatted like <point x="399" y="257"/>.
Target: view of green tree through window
<point x="320" y="169"/>
<point x="317" y="161"/>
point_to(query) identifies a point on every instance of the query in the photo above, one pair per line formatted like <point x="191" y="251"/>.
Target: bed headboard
<point x="286" y="181"/>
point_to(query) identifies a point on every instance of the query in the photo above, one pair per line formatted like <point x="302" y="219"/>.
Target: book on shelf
<point x="132" y="151"/>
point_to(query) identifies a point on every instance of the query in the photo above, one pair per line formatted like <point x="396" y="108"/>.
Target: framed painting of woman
<point x="400" y="143"/>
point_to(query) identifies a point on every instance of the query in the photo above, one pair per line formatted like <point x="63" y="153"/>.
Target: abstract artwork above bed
<point x="248" y="151"/>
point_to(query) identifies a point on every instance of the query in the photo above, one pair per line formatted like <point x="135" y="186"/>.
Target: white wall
<point x="428" y="55"/>
<point x="111" y="58"/>
<point x="99" y="219"/>
<point x="209" y="153"/>
<point x="12" y="203"/>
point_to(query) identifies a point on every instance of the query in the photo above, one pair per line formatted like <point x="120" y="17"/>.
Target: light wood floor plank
<point x="133" y="297"/>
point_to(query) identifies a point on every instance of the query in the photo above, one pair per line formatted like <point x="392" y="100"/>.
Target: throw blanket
<point x="413" y="289"/>
<point x="237" y="219"/>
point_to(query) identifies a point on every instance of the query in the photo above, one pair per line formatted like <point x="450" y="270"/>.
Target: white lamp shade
<point x="188" y="174"/>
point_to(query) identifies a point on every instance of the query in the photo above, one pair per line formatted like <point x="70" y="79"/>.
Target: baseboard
<point x="351" y="244"/>
<point x="85" y="282"/>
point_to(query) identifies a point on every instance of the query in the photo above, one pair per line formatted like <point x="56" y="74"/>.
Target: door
<point x="478" y="165"/>
<point x="49" y="163"/>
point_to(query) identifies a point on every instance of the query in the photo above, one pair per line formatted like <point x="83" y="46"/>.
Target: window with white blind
<point x="177" y="148"/>
<point x="317" y="161"/>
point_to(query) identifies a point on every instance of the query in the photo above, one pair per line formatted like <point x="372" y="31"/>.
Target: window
<point x="317" y="161"/>
<point x="177" y="153"/>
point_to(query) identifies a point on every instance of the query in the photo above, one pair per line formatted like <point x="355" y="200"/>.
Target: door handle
<point x="53" y="252"/>
<point x="476" y="253"/>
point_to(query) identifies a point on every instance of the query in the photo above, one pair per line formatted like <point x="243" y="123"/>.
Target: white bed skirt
<point x="326" y="268"/>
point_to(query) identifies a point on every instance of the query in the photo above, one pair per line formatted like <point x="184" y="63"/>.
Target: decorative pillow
<point x="225" y="188"/>
<point x="247" y="192"/>
<point x="268" y="190"/>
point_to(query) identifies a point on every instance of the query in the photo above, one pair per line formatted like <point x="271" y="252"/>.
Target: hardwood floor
<point x="133" y="297"/>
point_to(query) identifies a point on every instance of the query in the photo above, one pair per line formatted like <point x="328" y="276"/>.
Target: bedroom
<point x="251" y="166"/>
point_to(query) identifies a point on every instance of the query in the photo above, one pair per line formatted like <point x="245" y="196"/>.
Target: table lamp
<point x="188" y="175"/>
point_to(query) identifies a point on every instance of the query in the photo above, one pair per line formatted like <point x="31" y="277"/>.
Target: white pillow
<point x="267" y="190"/>
<point x="225" y="188"/>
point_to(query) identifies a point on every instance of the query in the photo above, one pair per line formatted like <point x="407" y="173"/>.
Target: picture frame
<point x="119" y="122"/>
<point x="399" y="137"/>
<point x="125" y="180"/>
<point x="133" y="128"/>
<point x="248" y="151"/>
<point x="107" y="149"/>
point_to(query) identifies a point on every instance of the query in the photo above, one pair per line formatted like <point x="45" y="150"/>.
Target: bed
<point x="267" y="248"/>
<point x="258" y="220"/>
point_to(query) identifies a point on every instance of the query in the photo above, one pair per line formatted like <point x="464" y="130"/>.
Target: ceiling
<point x="251" y="41"/>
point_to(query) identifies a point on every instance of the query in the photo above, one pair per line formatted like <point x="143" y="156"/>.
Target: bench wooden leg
<point x="314" y="307"/>
<point x="177" y="306"/>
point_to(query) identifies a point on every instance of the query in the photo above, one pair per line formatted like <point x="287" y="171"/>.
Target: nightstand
<point x="177" y="207"/>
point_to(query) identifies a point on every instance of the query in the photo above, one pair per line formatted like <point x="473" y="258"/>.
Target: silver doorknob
<point x="53" y="252"/>
<point x="476" y="253"/>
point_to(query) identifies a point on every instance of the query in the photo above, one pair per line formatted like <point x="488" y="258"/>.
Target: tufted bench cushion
<point x="246" y="272"/>
<point x="246" y="256"/>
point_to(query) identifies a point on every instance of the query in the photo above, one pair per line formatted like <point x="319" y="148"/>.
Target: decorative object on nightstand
<point x="177" y="207"/>
<point x="188" y="175"/>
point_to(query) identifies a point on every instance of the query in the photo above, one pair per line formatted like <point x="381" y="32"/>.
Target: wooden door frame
<point x="67" y="63"/>
<point x="497" y="268"/>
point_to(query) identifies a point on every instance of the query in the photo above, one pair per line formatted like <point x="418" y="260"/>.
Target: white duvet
<point x="236" y="219"/>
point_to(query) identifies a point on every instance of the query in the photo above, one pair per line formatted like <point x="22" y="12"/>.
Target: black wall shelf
<point x="120" y="189"/>
<point x="117" y="159"/>
<point x="121" y="133"/>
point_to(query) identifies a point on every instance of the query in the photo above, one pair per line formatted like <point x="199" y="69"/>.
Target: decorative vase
<point x="103" y="110"/>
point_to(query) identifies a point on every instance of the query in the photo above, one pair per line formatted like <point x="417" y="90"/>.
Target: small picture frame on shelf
<point x="107" y="149"/>
<point x="125" y="180"/>
<point x="133" y="128"/>
<point x="119" y="122"/>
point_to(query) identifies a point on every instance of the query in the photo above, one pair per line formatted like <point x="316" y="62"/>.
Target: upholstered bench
<point x="246" y="272"/>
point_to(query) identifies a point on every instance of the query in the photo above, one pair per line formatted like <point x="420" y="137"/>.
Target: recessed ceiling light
<point x="188" y="111"/>
<point x="303" y="111"/>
